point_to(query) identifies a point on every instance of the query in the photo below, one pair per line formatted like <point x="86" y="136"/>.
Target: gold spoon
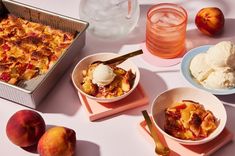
<point x="119" y="59"/>
<point x="159" y="147"/>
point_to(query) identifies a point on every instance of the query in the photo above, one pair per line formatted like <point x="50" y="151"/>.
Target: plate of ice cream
<point x="211" y="68"/>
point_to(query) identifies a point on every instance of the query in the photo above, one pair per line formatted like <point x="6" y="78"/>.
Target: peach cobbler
<point x="189" y="120"/>
<point x="28" y="49"/>
<point x="106" y="81"/>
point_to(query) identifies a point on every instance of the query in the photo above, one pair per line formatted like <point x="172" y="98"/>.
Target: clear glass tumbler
<point x="166" y="30"/>
<point x="110" y="18"/>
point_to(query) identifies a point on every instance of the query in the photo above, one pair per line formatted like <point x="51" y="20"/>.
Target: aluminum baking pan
<point x="30" y="93"/>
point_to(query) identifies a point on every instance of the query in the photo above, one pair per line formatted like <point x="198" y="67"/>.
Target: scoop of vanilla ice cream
<point x="103" y="75"/>
<point x="199" y="67"/>
<point x="220" y="79"/>
<point x="221" y="55"/>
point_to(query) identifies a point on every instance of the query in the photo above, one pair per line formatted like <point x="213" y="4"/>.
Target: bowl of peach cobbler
<point x="189" y="116"/>
<point x="105" y="82"/>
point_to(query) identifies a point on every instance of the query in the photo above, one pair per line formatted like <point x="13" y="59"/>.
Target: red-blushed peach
<point x="25" y="127"/>
<point x="210" y="21"/>
<point x="57" y="141"/>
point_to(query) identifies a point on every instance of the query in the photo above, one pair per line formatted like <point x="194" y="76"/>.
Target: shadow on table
<point x="227" y="99"/>
<point x="86" y="148"/>
<point x="62" y="98"/>
<point x="196" y="38"/>
<point x="152" y="85"/>
<point x="31" y="149"/>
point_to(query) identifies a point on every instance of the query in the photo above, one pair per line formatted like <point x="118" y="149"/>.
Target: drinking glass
<point x="166" y="30"/>
<point x="110" y="18"/>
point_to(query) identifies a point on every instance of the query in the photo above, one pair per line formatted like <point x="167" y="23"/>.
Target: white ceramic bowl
<point x="85" y="62"/>
<point x="210" y="102"/>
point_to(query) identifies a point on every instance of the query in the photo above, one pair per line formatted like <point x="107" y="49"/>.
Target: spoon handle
<point x="122" y="58"/>
<point x="160" y="148"/>
<point x="150" y="125"/>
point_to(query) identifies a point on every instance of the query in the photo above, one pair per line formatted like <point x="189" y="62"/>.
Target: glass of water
<point x="110" y="19"/>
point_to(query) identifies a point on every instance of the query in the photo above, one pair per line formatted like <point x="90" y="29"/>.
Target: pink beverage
<point x="166" y="30"/>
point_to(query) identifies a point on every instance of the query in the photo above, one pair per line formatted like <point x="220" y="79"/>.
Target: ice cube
<point x="162" y="23"/>
<point x="174" y="18"/>
<point x="171" y="16"/>
<point x="156" y="17"/>
<point x="173" y="22"/>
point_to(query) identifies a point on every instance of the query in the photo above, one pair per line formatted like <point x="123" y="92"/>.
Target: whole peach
<point x="57" y="141"/>
<point x="25" y="127"/>
<point x="210" y="21"/>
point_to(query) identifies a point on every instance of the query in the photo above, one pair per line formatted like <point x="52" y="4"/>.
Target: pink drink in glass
<point x="166" y="30"/>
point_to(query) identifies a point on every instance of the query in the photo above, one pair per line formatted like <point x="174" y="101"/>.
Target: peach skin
<point x="57" y="141"/>
<point x="210" y="21"/>
<point x="25" y="128"/>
